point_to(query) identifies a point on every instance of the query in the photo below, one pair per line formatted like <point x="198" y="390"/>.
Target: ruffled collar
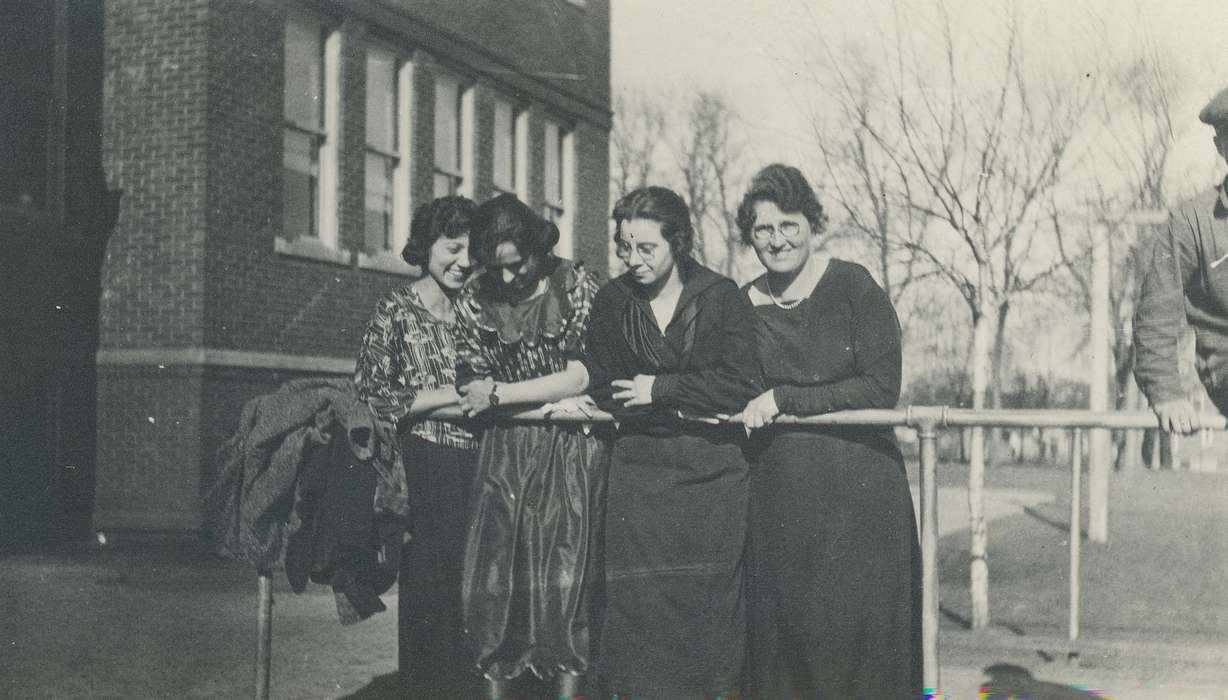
<point x="542" y="316"/>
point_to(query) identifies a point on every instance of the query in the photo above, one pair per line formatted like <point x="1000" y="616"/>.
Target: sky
<point x="754" y="51"/>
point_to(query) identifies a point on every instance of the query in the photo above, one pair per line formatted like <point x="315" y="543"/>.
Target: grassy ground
<point x="167" y="620"/>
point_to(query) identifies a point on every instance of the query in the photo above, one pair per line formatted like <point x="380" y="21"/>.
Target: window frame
<point x="321" y="241"/>
<point x="562" y="210"/>
<point x="519" y="138"/>
<point x="459" y="175"/>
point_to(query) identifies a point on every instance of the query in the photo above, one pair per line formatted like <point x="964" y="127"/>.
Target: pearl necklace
<point x="767" y="282"/>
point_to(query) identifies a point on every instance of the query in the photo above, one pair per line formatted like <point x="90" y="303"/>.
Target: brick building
<point x="270" y="155"/>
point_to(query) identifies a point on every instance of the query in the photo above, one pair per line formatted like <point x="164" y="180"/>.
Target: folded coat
<point x="249" y="512"/>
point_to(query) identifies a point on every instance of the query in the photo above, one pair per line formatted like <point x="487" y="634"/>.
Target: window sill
<point x="312" y="249"/>
<point x="386" y="262"/>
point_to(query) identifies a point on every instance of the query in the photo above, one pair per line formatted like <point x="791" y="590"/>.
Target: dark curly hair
<point x="663" y="206"/>
<point x="788" y="189"/>
<point x="504" y="219"/>
<point x="448" y="217"/>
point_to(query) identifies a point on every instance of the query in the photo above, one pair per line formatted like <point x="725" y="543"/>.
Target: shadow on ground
<point x="385" y="687"/>
<point x="1009" y="682"/>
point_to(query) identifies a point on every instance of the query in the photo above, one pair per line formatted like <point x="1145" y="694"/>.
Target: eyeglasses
<point x="788" y="230"/>
<point x="623" y="250"/>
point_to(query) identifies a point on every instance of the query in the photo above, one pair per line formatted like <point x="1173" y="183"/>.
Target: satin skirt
<point x="531" y="557"/>
<point x="675" y="624"/>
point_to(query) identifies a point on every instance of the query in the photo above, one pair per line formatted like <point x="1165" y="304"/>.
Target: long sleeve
<point x="1160" y="314"/>
<point x="379" y="374"/>
<point x="598" y="353"/>
<point x="471" y="360"/>
<point x="875" y="382"/>
<point x="725" y="385"/>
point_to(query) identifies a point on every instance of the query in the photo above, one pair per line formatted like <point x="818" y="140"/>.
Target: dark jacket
<point x="704" y="363"/>
<point x="249" y="511"/>
<point x="1184" y="278"/>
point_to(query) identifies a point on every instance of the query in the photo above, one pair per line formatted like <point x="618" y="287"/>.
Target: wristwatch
<point x="494" y="396"/>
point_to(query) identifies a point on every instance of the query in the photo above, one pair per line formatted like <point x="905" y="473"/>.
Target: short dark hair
<point x="448" y="217"/>
<point x="505" y="219"/>
<point x="788" y="189"/>
<point x="663" y="206"/>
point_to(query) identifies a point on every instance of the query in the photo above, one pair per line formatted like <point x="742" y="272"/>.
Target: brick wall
<point x="593" y="189"/>
<point x="149" y="448"/>
<point x="154" y="151"/>
<point x="193" y="135"/>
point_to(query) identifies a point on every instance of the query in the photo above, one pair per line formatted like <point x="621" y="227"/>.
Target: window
<point x="309" y="157"/>
<point x="383" y="157"/>
<point x="453" y="137"/>
<point x="509" y="140"/>
<point x="559" y="184"/>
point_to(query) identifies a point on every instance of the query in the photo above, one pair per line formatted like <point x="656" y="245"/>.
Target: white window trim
<point x="468" y="167"/>
<point x="567" y="233"/>
<point x="520" y="151"/>
<point x="402" y="202"/>
<point x="324" y="248"/>
<point x="522" y="155"/>
<point x="566" y="246"/>
<point x="329" y="150"/>
<point x="467" y="121"/>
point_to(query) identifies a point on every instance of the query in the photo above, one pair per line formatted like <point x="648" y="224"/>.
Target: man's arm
<point x="1168" y="264"/>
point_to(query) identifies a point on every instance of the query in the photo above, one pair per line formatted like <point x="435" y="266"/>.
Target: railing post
<point x="1076" y="474"/>
<point x="264" y="636"/>
<point x="927" y="435"/>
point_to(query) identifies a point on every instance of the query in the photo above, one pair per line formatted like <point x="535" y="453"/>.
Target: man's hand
<point x="634" y="392"/>
<point x="1177" y="416"/>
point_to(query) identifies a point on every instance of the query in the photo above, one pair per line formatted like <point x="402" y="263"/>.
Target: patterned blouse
<point x="535" y="338"/>
<point x="404" y="351"/>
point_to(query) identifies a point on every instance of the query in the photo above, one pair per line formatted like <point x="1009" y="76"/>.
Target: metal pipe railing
<point x="926" y="421"/>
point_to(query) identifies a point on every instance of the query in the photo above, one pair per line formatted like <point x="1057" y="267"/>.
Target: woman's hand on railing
<point x="573" y="405"/>
<point x="475" y="396"/>
<point x="760" y="412"/>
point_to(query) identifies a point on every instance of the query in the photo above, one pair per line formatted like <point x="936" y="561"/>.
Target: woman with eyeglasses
<point x="671" y="343"/>
<point x="835" y="563"/>
<point x="530" y="559"/>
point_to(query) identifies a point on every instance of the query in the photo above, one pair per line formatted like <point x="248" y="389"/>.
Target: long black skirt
<point x="530" y="562"/>
<point x="431" y="649"/>
<point x="675" y="533"/>
<point x="835" y="570"/>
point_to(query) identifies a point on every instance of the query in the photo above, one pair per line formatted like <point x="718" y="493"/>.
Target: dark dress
<point x="835" y="562"/>
<point x="536" y="503"/>
<point x="404" y="351"/>
<point x="676" y="510"/>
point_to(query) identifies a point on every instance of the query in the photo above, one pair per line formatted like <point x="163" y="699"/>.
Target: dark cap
<point x="1216" y="111"/>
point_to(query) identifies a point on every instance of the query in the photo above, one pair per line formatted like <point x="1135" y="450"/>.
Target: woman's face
<point x="645" y="251"/>
<point x="448" y="262"/>
<point x="781" y="240"/>
<point x="512" y="274"/>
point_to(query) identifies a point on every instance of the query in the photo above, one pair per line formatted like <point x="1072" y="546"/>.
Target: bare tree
<point x="639" y="131"/>
<point x="865" y="181"/>
<point x="1134" y="137"/>
<point x="980" y="160"/>
<point x="708" y="154"/>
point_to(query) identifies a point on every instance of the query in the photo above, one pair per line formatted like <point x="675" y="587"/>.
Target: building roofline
<point x="445" y="44"/>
